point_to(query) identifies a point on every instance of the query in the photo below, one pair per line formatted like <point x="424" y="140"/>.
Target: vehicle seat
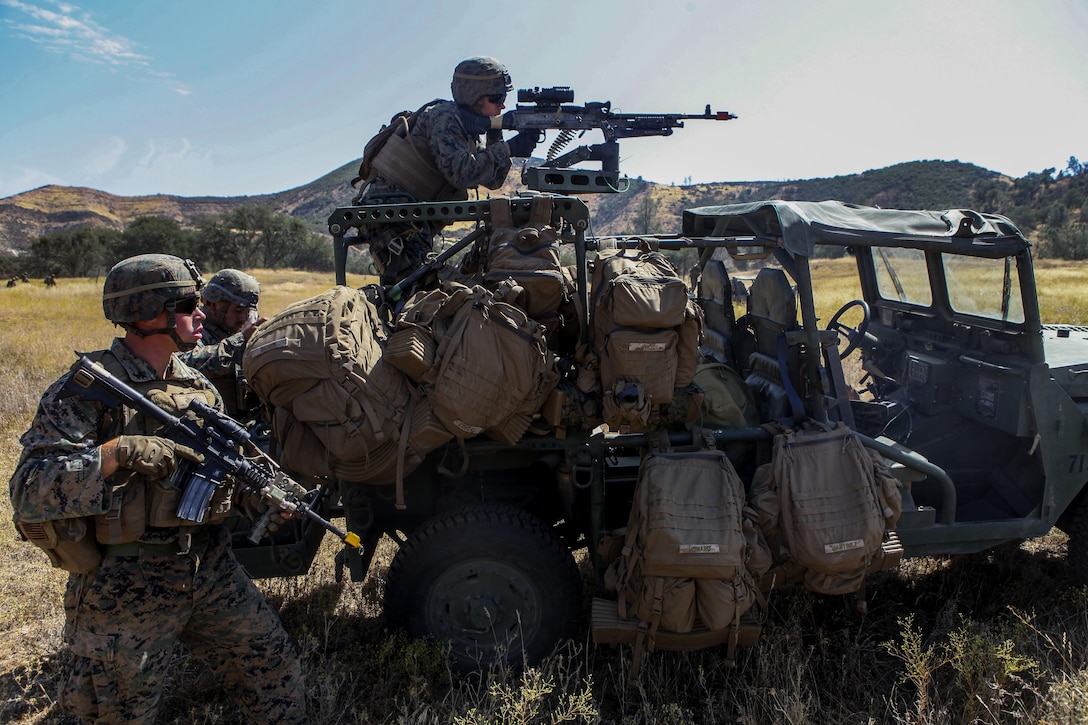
<point x="715" y="295"/>
<point x="772" y="311"/>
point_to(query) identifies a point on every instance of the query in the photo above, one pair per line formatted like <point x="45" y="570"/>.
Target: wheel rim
<point x="481" y="605"/>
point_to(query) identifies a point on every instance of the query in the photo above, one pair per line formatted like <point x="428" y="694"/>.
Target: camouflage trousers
<point x="123" y="619"/>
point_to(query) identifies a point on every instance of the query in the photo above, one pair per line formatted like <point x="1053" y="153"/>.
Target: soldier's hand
<point x="152" y="456"/>
<point x="522" y="145"/>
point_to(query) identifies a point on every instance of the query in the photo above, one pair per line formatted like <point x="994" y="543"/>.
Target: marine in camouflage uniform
<point x="446" y="147"/>
<point x="160" y="579"/>
<point x="228" y="300"/>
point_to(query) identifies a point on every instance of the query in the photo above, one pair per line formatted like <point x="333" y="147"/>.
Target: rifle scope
<point x="556" y="95"/>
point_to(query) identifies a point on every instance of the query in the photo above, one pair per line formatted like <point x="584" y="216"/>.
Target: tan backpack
<point x="528" y="255"/>
<point x="483" y="364"/>
<point x="321" y="360"/>
<point x="692" y="552"/>
<point x="825" y="505"/>
<point x="392" y="139"/>
<point x="646" y="334"/>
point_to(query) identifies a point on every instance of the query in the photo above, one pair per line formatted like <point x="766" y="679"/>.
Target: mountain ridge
<point x="646" y="207"/>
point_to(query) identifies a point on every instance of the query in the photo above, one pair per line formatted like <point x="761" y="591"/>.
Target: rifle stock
<point x="219" y="439"/>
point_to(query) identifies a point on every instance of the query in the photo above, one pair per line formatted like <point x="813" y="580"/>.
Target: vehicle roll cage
<point x="571" y="218"/>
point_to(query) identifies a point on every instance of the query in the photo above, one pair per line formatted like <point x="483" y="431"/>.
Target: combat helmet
<point x="137" y="289"/>
<point x="477" y="77"/>
<point x="232" y="285"/>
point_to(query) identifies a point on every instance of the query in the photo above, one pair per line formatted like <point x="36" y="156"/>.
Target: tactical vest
<point x="403" y="158"/>
<point x="136" y="503"/>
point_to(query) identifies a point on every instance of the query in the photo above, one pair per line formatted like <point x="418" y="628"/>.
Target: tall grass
<point x="999" y="637"/>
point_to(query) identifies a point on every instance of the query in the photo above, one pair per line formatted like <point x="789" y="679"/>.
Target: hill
<point x="646" y="207"/>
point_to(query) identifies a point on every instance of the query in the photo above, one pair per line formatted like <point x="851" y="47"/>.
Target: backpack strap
<point x="501" y="215"/>
<point x="797" y="408"/>
<point x="657" y="440"/>
<point x="541" y="211"/>
<point x="402" y="451"/>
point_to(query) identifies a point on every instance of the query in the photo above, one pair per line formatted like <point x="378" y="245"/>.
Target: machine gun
<point x="219" y="439"/>
<point x="547" y="111"/>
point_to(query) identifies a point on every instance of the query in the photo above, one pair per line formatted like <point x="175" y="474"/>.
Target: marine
<point x="438" y="156"/>
<point x="92" y="488"/>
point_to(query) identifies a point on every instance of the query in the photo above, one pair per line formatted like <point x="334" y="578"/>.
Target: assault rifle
<point x="549" y="112"/>
<point x="219" y="439"/>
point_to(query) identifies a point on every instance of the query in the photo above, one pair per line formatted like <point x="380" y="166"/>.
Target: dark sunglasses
<point x="497" y="100"/>
<point x="183" y="305"/>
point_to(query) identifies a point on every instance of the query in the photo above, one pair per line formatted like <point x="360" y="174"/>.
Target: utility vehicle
<point x="979" y="408"/>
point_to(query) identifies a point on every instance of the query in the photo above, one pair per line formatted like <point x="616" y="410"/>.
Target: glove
<point x="522" y="145"/>
<point x="152" y="456"/>
<point x="494" y="136"/>
<point x="474" y="122"/>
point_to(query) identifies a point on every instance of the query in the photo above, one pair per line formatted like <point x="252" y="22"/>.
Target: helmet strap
<point x="170" y="330"/>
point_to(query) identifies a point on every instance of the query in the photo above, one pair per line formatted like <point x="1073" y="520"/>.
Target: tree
<point x="154" y="235"/>
<point x="83" y="252"/>
<point x="312" y="253"/>
<point x="645" y="219"/>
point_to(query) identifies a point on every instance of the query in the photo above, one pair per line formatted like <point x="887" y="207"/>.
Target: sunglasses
<point x="183" y="305"/>
<point x="497" y="100"/>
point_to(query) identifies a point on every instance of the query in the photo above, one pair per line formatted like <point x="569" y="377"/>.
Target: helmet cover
<point x="232" y="285"/>
<point x="138" y="288"/>
<point x="474" y="78"/>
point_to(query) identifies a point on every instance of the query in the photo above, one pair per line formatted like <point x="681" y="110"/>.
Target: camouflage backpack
<point x="825" y="505"/>
<point x="692" y="553"/>
<point x="528" y="255"/>
<point x="483" y="364"/>
<point x="320" y="362"/>
<point x="646" y="334"/>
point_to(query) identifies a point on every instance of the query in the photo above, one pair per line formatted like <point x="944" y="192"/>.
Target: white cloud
<point x="70" y="31"/>
<point x="104" y="157"/>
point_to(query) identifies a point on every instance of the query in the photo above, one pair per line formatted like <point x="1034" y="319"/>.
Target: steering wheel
<point x="853" y="334"/>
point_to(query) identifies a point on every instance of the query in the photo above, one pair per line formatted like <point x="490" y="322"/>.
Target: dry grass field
<point x="1000" y="637"/>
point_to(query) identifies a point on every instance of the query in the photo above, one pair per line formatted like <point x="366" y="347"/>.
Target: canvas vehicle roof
<point x="801" y="225"/>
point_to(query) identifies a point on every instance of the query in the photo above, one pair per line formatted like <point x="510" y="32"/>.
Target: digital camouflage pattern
<point x="219" y="357"/>
<point x="232" y="285"/>
<point x="397" y="250"/>
<point x="138" y="288"/>
<point x="123" y="618"/>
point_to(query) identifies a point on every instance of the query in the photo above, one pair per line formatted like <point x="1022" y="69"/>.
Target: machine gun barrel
<point x="218" y="439"/>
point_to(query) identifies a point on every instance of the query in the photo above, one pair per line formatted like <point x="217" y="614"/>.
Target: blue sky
<point x="229" y="97"/>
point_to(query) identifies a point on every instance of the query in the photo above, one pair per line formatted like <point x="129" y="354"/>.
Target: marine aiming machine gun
<point x="547" y="112"/>
<point x="220" y="441"/>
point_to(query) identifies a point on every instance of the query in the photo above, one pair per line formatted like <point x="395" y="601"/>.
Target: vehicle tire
<point x="492" y="580"/>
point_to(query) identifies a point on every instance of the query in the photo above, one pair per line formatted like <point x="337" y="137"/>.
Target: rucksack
<point x="528" y="255"/>
<point x="488" y="367"/>
<point x="645" y="334"/>
<point x="320" y="360"/>
<point x="692" y="552"/>
<point x="403" y="123"/>
<point x="825" y="505"/>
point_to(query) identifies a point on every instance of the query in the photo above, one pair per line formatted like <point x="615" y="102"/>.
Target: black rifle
<point x="219" y="439"/>
<point x="549" y="112"/>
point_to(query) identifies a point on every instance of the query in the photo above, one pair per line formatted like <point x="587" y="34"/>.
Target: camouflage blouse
<point x="59" y="474"/>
